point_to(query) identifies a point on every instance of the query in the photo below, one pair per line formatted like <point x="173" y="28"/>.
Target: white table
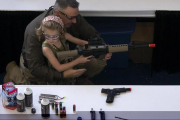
<point x="155" y="101"/>
<point x="119" y="8"/>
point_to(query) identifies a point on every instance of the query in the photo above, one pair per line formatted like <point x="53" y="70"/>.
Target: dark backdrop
<point x="12" y="27"/>
<point x="166" y="54"/>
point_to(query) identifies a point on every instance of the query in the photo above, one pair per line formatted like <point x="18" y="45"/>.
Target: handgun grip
<point x="110" y="97"/>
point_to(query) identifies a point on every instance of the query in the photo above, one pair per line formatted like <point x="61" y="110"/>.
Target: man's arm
<point x="82" y="30"/>
<point x="75" y="40"/>
<point x="85" y="29"/>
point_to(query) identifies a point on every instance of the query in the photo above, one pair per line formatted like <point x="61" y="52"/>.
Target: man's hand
<point x="108" y="56"/>
<point x="71" y="73"/>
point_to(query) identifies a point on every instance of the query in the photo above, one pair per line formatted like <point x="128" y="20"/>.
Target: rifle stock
<point x="66" y="54"/>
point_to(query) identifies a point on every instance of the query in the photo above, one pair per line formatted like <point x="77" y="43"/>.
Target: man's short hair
<point x="63" y="4"/>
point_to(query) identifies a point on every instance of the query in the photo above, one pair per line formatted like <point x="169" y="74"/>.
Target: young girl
<point x="53" y="31"/>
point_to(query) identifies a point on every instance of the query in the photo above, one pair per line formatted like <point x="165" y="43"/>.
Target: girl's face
<point x="51" y="36"/>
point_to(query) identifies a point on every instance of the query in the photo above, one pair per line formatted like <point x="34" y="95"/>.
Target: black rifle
<point x="96" y="47"/>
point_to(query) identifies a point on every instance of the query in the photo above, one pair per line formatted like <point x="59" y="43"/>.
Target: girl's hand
<point x="83" y="59"/>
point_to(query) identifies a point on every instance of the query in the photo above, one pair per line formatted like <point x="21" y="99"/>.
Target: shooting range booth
<point x="115" y="30"/>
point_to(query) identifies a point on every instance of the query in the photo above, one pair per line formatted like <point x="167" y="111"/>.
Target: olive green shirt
<point x="54" y="50"/>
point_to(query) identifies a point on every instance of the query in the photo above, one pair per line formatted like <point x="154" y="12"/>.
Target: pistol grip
<point x="110" y="98"/>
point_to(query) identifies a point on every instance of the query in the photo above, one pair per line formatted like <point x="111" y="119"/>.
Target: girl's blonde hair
<point x="52" y="25"/>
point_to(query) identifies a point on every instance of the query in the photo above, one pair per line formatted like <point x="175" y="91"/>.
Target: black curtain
<point x="12" y="27"/>
<point x="166" y="54"/>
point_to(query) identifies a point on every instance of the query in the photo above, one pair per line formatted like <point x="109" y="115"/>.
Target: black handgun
<point x="112" y="92"/>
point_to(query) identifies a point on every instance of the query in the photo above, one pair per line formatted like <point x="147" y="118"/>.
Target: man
<point x="32" y="61"/>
